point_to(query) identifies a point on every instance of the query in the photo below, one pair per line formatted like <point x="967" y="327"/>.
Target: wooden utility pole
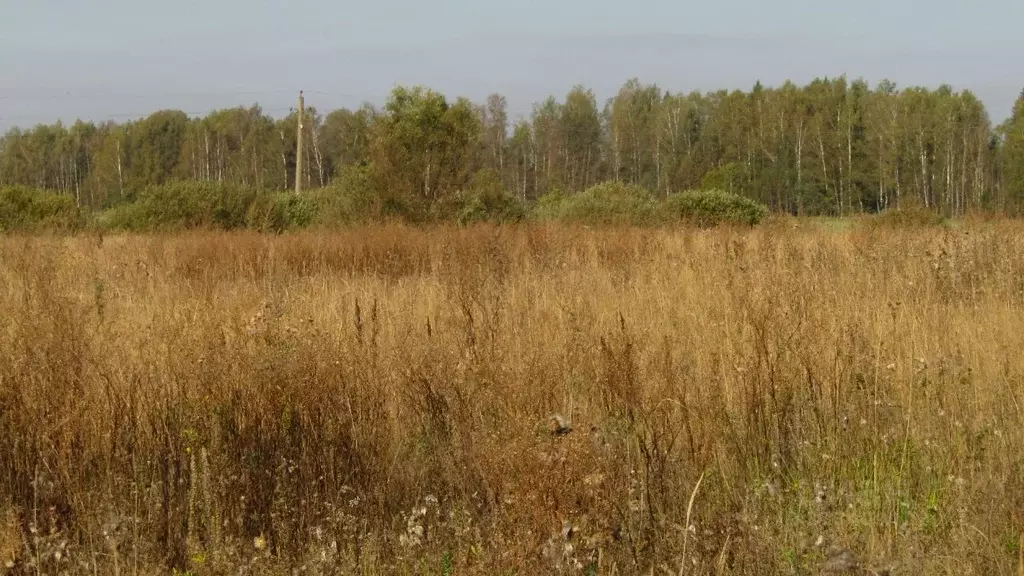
<point x="298" y="147"/>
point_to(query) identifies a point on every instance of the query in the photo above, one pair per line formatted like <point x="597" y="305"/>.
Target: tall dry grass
<point x="381" y="401"/>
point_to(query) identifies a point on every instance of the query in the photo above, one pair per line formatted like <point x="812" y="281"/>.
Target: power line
<point x="122" y="115"/>
<point x="73" y="95"/>
<point x="35" y="94"/>
<point x="156" y="95"/>
<point x="340" y="94"/>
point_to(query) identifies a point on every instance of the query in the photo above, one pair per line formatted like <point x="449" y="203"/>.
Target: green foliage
<point x="832" y="147"/>
<point x="1013" y="158"/>
<point x="281" y="211"/>
<point x="727" y="177"/>
<point x="129" y="216"/>
<point x="157" y="143"/>
<point x="485" y="200"/>
<point x="184" y="205"/>
<point x="23" y="208"/>
<point x="422" y="149"/>
<point x="607" y="203"/>
<point x="447" y="564"/>
<point x="350" y="199"/>
<point x="488" y="206"/>
<point x="707" y="208"/>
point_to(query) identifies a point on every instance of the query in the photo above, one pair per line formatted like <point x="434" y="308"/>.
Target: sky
<point x="118" y="59"/>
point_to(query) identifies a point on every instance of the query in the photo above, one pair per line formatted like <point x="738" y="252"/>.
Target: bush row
<point x="186" y="205"/>
<point x="27" y="209"/>
<point x="617" y="203"/>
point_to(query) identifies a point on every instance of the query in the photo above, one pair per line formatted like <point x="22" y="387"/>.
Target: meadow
<point x="529" y="399"/>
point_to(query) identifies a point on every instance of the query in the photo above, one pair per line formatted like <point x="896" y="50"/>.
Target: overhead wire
<point x="139" y="96"/>
<point x="43" y="93"/>
<point x="123" y="115"/>
<point x="36" y="94"/>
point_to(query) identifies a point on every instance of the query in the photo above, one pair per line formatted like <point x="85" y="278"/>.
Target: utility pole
<point x="298" y="147"/>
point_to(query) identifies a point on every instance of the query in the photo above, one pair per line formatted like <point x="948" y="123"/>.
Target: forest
<point x="833" y="147"/>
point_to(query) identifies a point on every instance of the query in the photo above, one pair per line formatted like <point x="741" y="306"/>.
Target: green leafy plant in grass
<point x="349" y="199"/>
<point x="708" y="208"/>
<point x="184" y="205"/>
<point x="281" y="211"/>
<point x="607" y="203"/>
<point x="485" y="201"/>
<point x="447" y="564"/>
<point x="23" y="208"/>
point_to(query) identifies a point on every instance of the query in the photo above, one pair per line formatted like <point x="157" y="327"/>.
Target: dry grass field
<point x="528" y="400"/>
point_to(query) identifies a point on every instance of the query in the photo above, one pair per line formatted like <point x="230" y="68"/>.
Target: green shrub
<point x="185" y="205"/>
<point x="232" y="206"/>
<point x="281" y="211"/>
<point x="707" y="208"/>
<point x="300" y="211"/>
<point x="723" y="177"/>
<point x="491" y="207"/>
<point x="607" y="203"/>
<point x="268" y="213"/>
<point x="485" y="200"/>
<point x="349" y="199"/>
<point x="23" y="208"/>
<point x="121" y="217"/>
<point x="333" y="206"/>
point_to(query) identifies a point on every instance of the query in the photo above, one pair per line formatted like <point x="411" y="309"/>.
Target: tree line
<point x="831" y="147"/>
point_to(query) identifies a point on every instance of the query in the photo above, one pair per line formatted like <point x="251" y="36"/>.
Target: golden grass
<point x="381" y="401"/>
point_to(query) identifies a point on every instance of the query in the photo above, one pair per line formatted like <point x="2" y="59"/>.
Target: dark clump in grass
<point x="910" y="216"/>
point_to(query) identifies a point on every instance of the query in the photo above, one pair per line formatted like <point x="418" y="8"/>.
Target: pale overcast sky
<point x="121" y="58"/>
